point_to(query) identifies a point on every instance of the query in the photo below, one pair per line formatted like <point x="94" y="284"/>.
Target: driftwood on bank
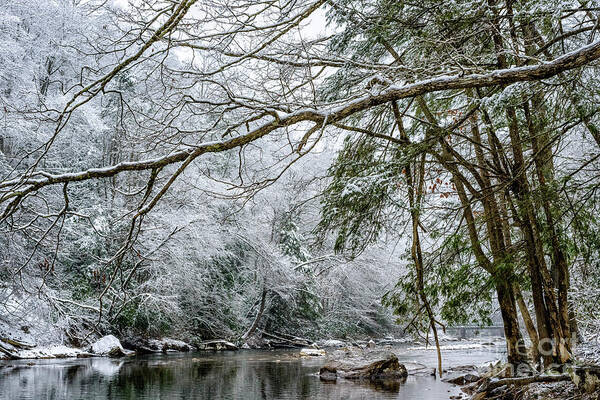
<point x="10" y="347"/>
<point x="8" y="350"/>
<point x="283" y="340"/>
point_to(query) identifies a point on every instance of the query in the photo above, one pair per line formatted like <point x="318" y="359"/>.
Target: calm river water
<point x="221" y="375"/>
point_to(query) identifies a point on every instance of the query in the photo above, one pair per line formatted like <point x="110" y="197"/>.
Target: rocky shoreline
<point x="106" y="346"/>
<point x="579" y="381"/>
<point x="18" y="345"/>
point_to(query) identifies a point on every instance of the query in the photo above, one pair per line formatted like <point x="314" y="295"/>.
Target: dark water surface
<point x="221" y="375"/>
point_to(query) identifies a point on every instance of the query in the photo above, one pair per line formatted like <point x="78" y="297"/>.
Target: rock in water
<point x="417" y="369"/>
<point x="109" y="346"/>
<point x="461" y="379"/>
<point x="328" y="373"/>
<point x="382" y="367"/>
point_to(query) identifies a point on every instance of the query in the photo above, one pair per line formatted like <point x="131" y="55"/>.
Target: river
<point x="245" y="374"/>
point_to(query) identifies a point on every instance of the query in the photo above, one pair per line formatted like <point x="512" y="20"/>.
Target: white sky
<point x="316" y="25"/>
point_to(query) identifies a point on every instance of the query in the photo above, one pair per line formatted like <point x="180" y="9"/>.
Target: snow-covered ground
<point x="56" y="351"/>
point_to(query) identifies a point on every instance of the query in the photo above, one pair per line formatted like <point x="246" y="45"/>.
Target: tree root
<point x="585" y="378"/>
<point x="493" y="384"/>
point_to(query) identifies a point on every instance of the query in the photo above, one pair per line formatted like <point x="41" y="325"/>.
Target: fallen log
<point x="10" y="347"/>
<point x="374" y="368"/>
<point x="17" y="343"/>
<point x="8" y="350"/>
<point x="13" y="341"/>
<point x="292" y="340"/>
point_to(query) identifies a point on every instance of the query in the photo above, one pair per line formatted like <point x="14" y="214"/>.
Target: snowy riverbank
<point x="15" y="344"/>
<point x="18" y="347"/>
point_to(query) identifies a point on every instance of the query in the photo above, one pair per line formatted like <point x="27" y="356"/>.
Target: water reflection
<point x="241" y="375"/>
<point x="389" y="386"/>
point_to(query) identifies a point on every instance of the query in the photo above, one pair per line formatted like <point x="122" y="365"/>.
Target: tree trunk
<point x="549" y="328"/>
<point x="543" y="164"/>
<point x="529" y="325"/>
<point x="259" y="314"/>
<point x="415" y="191"/>
<point x="514" y="341"/>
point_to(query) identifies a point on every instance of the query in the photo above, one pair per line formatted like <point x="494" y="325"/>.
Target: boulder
<point x="139" y="344"/>
<point x="461" y="379"/>
<point x="328" y="373"/>
<point x="417" y="369"/>
<point x="373" y="368"/>
<point x="145" y="346"/>
<point x="167" y="344"/>
<point x="109" y="346"/>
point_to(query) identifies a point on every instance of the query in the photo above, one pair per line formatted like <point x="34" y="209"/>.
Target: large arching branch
<point x="17" y="189"/>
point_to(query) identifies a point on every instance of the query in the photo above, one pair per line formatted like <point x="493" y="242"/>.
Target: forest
<point x="261" y="171"/>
